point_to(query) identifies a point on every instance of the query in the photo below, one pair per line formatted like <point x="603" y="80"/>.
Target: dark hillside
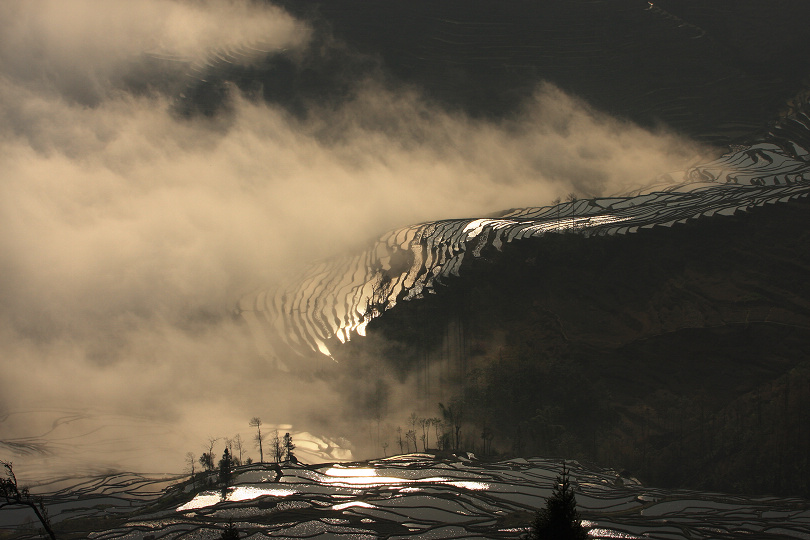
<point x="678" y="354"/>
<point x="716" y="71"/>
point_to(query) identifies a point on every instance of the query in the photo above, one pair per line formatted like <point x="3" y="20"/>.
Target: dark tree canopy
<point x="230" y="532"/>
<point x="288" y="446"/>
<point x="559" y="520"/>
<point x="225" y="465"/>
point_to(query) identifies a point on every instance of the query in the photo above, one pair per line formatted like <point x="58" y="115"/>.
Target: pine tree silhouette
<point x="225" y="465"/>
<point x="230" y="532"/>
<point x="559" y="520"/>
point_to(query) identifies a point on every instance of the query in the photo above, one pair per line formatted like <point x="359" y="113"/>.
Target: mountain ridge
<point x="687" y="344"/>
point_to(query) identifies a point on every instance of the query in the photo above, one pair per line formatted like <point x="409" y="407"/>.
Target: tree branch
<point x="10" y="491"/>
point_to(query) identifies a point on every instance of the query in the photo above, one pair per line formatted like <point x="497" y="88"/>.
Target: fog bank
<point x="129" y="231"/>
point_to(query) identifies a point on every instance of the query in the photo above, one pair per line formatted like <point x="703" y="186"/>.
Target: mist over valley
<point x="527" y="231"/>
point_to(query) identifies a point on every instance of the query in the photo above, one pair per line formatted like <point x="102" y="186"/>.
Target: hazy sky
<point x="128" y="232"/>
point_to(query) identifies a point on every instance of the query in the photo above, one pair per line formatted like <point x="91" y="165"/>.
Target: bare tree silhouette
<point x="257" y="423"/>
<point x="572" y="198"/>
<point x="12" y="495"/>
<point x="191" y="460"/>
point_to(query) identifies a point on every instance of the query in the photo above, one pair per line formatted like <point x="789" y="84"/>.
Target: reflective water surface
<point x="416" y="495"/>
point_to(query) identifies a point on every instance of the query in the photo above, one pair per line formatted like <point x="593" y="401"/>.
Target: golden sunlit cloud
<point x="129" y="231"/>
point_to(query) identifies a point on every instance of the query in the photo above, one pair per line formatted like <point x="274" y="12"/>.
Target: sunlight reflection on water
<point x="336" y="475"/>
<point x="475" y="486"/>
<point x="442" y="499"/>
<point x="240" y="493"/>
<point x="368" y="477"/>
<point x="607" y="533"/>
<point x="352" y="504"/>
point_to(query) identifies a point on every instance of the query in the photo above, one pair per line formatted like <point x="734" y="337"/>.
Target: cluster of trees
<point x="234" y="454"/>
<point x="516" y="404"/>
<point x="281" y="448"/>
<point x="407" y="440"/>
<point x="417" y="432"/>
<point x="448" y="433"/>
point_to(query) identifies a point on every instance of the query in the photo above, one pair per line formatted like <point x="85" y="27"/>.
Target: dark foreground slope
<point x="407" y="496"/>
<point x="679" y="354"/>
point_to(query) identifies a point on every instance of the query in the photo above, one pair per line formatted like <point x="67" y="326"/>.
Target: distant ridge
<point x="336" y="299"/>
<point x="716" y="73"/>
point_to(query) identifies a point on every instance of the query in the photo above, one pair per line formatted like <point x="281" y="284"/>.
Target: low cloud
<point x="128" y="232"/>
<point x="84" y="50"/>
